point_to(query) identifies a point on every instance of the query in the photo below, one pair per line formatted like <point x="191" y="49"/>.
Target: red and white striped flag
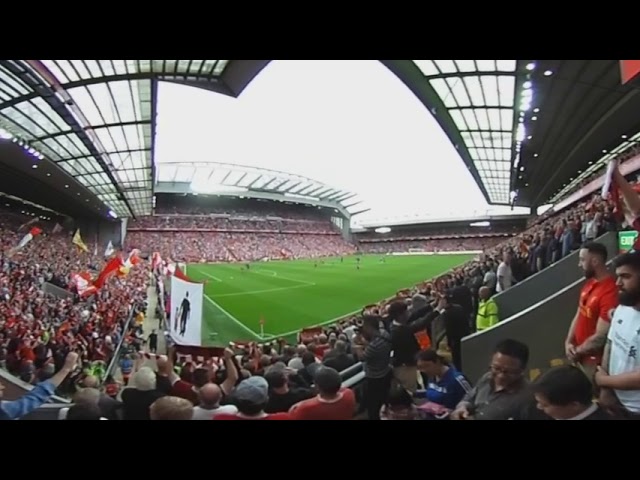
<point x="35" y="231"/>
<point x="82" y="282"/>
<point x="30" y="222"/>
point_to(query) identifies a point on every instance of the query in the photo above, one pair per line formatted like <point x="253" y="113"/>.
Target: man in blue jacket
<point x="41" y="393"/>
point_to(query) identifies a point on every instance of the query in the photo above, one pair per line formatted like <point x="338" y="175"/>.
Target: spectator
<point x="453" y="322"/>
<point x="12" y="410"/>
<point x="209" y="406"/>
<point x="281" y="396"/>
<point x="84" y="411"/>
<point x="377" y="359"/>
<point x="109" y="407"/>
<point x="502" y="392"/>
<point x="504" y="274"/>
<point x="398" y="405"/>
<point x="338" y="358"/>
<point x="251" y="397"/>
<point x="565" y="393"/>
<point x="171" y="408"/>
<point x="598" y="299"/>
<point x="487" y="315"/>
<point x="86" y="396"/>
<point x="444" y="385"/>
<point x="619" y="376"/>
<point x="332" y="402"/>
<point x="405" y="345"/>
<point x="137" y="399"/>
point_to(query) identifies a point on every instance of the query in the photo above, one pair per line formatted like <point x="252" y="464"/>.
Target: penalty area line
<point x="232" y="318"/>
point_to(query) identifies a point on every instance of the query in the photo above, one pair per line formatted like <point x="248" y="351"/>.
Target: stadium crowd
<point x="278" y="381"/>
<point x="230" y="224"/>
<point x="196" y="247"/>
<point x="38" y="330"/>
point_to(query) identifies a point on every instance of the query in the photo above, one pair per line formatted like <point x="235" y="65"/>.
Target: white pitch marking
<point x="251" y="292"/>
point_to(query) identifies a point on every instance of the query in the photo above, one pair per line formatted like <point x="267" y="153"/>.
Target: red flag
<point x="616" y="198"/>
<point x="109" y="269"/>
<point x="179" y="273"/>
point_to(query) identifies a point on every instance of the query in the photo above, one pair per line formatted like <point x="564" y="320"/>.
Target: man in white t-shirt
<point x="619" y="375"/>
<point x="505" y="276"/>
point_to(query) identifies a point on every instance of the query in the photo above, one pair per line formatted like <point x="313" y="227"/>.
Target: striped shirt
<point x="377" y="356"/>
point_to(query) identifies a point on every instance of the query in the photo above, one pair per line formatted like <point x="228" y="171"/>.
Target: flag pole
<point x="261" y="327"/>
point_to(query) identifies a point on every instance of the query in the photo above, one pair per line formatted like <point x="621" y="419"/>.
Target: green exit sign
<point x="626" y="240"/>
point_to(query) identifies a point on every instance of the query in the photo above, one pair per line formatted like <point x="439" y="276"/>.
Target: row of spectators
<point x="206" y="222"/>
<point x="278" y="382"/>
<point x="194" y="247"/>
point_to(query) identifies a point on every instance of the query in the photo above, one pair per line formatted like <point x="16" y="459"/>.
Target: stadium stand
<point x="102" y="355"/>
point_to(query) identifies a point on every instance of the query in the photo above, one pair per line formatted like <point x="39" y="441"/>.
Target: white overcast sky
<point x="348" y="123"/>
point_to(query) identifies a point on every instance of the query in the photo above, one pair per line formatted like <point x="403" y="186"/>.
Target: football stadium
<point x="257" y="239"/>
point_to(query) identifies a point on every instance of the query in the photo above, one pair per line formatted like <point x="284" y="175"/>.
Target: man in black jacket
<point x="452" y="321"/>
<point x="405" y="344"/>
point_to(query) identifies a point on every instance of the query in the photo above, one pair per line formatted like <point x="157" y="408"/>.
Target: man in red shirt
<point x="598" y="299"/>
<point x="251" y="397"/>
<point x="332" y="402"/>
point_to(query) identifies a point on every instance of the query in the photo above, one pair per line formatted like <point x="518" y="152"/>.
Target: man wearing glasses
<point x="502" y="392"/>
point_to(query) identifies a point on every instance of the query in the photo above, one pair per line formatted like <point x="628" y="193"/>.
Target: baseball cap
<point x="253" y="389"/>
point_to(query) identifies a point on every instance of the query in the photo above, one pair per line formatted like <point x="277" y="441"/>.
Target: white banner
<point x="185" y="323"/>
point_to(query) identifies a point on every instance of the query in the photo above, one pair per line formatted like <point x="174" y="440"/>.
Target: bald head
<point x="90" y="381"/>
<point x="484" y="293"/>
<point x="164" y="367"/>
<point x="171" y="408"/>
<point x="210" y="395"/>
<point x="87" y="396"/>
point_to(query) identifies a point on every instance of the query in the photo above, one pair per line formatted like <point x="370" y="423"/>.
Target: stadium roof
<point x="583" y="116"/>
<point x="220" y="178"/>
<point x="525" y="125"/>
<point x="95" y="119"/>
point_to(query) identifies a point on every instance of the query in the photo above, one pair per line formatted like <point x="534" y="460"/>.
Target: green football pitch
<point x="294" y="294"/>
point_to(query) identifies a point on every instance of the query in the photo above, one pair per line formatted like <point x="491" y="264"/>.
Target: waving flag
<point x="112" y="266"/>
<point x="174" y="271"/>
<point x="30" y="222"/>
<point x="82" y="282"/>
<point x="35" y="231"/>
<point x="132" y="260"/>
<point x="78" y="242"/>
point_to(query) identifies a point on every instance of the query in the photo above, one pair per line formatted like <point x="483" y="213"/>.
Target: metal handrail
<point x="116" y="353"/>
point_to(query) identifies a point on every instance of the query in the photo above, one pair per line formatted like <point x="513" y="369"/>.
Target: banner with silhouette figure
<point x="185" y="323"/>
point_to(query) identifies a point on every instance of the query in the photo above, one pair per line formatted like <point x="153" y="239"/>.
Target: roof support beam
<point x="49" y="95"/>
